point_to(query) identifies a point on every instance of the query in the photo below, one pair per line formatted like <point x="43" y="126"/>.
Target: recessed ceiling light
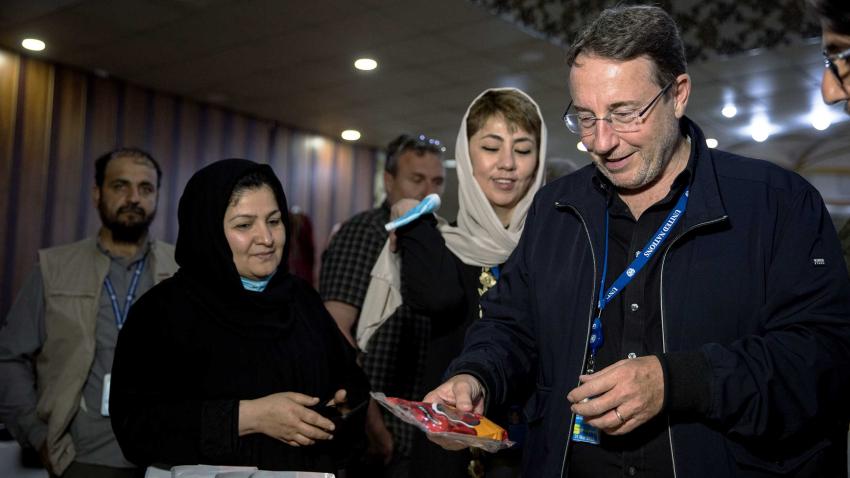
<point x="760" y="134"/>
<point x="711" y="143"/>
<point x="821" y="122"/>
<point x="729" y="111"/>
<point x="581" y="147"/>
<point x="350" y="135"/>
<point x="761" y="127"/>
<point x="33" y="44"/>
<point x="365" y="64"/>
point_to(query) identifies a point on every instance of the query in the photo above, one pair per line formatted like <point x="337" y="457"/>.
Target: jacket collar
<point x="705" y="203"/>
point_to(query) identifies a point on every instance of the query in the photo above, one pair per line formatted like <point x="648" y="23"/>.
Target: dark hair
<point x="835" y="14"/>
<point x="101" y="162"/>
<point x="628" y="32"/>
<point x="253" y="180"/>
<point x="517" y="109"/>
<point x="420" y="144"/>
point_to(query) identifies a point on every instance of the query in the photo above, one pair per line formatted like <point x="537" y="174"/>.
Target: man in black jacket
<point x="683" y="311"/>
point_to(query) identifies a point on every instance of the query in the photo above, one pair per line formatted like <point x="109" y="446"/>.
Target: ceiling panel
<point x="14" y="12"/>
<point x="291" y="61"/>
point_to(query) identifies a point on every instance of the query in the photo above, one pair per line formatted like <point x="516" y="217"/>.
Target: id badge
<point x="582" y="432"/>
<point x="104" y="400"/>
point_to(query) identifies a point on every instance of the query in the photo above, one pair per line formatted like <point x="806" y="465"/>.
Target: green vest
<point x="73" y="276"/>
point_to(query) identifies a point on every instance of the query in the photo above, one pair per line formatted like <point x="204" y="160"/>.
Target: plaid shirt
<point x="395" y="356"/>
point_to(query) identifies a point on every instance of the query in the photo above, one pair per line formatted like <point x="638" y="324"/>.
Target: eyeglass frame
<point x="829" y="62"/>
<point x="635" y="115"/>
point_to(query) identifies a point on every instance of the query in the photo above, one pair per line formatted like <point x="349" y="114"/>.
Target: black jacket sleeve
<point x="501" y="349"/>
<point x="788" y="381"/>
<point x="151" y="419"/>
<point x="431" y="276"/>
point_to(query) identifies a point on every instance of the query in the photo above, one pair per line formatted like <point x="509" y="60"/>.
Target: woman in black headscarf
<point x="229" y="361"/>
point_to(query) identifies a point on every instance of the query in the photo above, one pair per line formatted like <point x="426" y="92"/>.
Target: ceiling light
<point x="711" y="143"/>
<point x="350" y="135"/>
<point x="760" y="128"/>
<point x="760" y="134"/>
<point x="365" y="64"/>
<point x="729" y="111"/>
<point x="581" y="147"/>
<point x="315" y="142"/>
<point x="821" y="122"/>
<point x="33" y="44"/>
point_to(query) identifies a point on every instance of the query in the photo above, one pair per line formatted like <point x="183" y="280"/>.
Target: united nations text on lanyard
<point x="120" y="317"/>
<point x="583" y="432"/>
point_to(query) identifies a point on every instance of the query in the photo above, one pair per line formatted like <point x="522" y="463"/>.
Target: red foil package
<point x="448" y="423"/>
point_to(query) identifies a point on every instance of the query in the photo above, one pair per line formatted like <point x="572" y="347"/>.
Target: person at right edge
<point x="500" y="154"/>
<point x="834" y="16"/>
<point x="681" y="311"/>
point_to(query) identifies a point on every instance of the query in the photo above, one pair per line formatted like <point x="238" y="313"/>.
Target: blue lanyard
<point x="131" y="293"/>
<point x="496" y="272"/>
<point x="596" y="336"/>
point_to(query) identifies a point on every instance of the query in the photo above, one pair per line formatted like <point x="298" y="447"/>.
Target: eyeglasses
<point x="829" y="62"/>
<point x="621" y="121"/>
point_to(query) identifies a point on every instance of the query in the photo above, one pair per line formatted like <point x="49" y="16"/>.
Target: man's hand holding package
<point x="463" y="392"/>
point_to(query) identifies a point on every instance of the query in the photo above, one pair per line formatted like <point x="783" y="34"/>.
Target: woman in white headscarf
<point x="500" y="154"/>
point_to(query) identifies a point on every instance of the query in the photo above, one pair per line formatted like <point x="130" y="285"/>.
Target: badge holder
<point x="583" y="432"/>
<point x="104" y="400"/>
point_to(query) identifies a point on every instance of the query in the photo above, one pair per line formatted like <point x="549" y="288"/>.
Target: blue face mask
<point x="255" y="285"/>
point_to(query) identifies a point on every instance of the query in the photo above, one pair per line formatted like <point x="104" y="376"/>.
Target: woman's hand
<point x="340" y="401"/>
<point x="285" y="416"/>
<point x="397" y="210"/>
<point x="402" y="206"/>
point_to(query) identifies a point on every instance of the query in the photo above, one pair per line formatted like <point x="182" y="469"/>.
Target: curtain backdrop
<point x="55" y="120"/>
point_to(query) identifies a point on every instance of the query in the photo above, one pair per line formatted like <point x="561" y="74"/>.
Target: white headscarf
<point x="479" y="239"/>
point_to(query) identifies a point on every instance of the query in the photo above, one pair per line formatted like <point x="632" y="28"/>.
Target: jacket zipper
<point x="589" y="322"/>
<point x="663" y="332"/>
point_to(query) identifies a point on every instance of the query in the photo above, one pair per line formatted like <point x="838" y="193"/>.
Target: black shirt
<point x="632" y="328"/>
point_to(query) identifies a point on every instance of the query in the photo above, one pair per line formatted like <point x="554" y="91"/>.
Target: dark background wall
<point x="55" y="120"/>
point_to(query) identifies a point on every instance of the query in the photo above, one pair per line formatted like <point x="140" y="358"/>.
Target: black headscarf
<point x="198" y="343"/>
<point x="206" y="261"/>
